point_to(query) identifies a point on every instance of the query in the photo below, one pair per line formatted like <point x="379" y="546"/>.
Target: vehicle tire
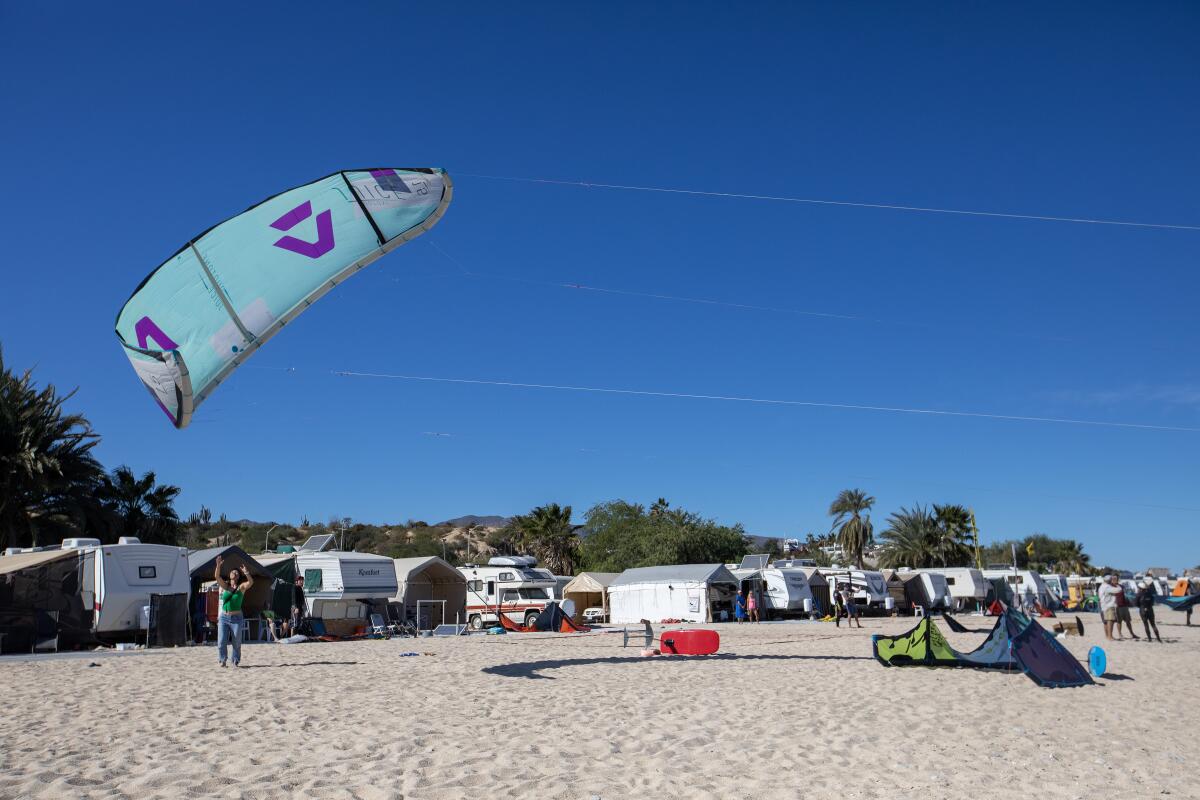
<point x="530" y="616"/>
<point x="476" y="622"/>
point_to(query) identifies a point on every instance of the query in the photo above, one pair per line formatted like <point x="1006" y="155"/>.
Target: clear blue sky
<point x="128" y="128"/>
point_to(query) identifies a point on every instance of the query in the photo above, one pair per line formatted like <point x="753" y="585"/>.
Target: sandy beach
<point x="791" y="710"/>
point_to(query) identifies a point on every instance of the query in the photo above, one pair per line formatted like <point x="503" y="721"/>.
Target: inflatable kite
<point x="203" y="312"/>
<point x="1016" y="642"/>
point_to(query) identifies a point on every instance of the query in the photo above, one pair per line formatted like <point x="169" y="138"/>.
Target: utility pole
<point x="267" y="539"/>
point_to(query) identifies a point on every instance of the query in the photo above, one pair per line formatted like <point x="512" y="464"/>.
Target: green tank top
<point x="231" y="602"/>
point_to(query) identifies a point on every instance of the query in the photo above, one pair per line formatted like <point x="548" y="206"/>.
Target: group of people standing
<point x="1115" y="605"/>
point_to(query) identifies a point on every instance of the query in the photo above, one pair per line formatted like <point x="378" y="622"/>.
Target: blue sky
<point x="130" y="128"/>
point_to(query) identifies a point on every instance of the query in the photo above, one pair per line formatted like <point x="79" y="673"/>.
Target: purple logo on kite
<point x="145" y="329"/>
<point x="389" y="181"/>
<point x="324" y="242"/>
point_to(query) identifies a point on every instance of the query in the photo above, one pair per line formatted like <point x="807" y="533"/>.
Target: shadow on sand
<point x="532" y="669"/>
<point x="1115" y="676"/>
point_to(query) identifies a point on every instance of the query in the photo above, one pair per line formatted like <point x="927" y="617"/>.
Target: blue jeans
<point x="229" y="630"/>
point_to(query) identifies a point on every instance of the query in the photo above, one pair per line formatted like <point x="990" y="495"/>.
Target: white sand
<point x="790" y="710"/>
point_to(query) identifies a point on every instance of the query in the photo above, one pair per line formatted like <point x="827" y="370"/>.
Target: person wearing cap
<point x="1145" y="604"/>
<point x="1123" y="613"/>
<point x="1108" y="592"/>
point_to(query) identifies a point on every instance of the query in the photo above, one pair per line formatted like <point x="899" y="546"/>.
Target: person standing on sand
<point x="739" y="607"/>
<point x="852" y="615"/>
<point x="1145" y="604"/>
<point x="752" y="605"/>
<point x="229" y="622"/>
<point x="1108" y="605"/>
<point x="1123" y="613"/>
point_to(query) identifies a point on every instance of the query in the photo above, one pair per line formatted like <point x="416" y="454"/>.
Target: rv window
<point x="312" y="581"/>
<point x="506" y="576"/>
<point x="949" y="581"/>
<point x="534" y="594"/>
<point x="475" y="586"/>
<point x="509" y="596"/>
<point x="147" y="572"/>
<point x="491" y="587"/>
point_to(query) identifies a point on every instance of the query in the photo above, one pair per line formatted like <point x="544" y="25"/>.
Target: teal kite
<point x="203" y="312"/>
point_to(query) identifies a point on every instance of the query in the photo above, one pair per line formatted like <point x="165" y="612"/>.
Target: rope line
<point x="845" y="203"/>
<point x="768" y="401"/>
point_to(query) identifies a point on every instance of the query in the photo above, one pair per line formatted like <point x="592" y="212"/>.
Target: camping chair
<point x="267" y="631"/>
<point x="380" y="627"/>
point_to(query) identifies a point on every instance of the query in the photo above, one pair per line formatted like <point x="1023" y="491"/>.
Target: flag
<point x="1029" y="549"/>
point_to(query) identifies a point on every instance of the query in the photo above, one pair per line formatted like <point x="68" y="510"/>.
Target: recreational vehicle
<point x="968" y="588"/>
<point x="1026" y="585"/>
<point x="344" y="588"/>
<point x="781" y="591"/>
<point x="509" y="585"/>
<point x="116" y="581"/>
<point x="1057" y="588"/>
<point x="870" y="589"/>
<point x="926" y="589"/>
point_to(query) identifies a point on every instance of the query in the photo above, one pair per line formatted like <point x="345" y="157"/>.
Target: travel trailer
<point x="968" y="588"/>
<point x="1026" y="585"/>
<point x="870" y="589"/>
<point x="506" y="584"/>
<point x="926" y="589"/>
<point x="782" y="591"/>
<point x="1058" y="589"/>
<point x="116" y="581"/>
<point x="344" y="588"/>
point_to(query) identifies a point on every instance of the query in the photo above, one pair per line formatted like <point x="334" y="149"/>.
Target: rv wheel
<point x="529" y="618"/>
<point x="476" y="622"/>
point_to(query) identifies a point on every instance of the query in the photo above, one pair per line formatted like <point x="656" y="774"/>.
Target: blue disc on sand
<point x="1097" y="661"/>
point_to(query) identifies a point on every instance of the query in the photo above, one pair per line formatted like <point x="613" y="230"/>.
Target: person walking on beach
<point x="1108" y="591"/>
<point x="739" y="607"/>
<point x="752" y="605"/>
<point x="1145" y="604"/>
<point x="229" y="621"/>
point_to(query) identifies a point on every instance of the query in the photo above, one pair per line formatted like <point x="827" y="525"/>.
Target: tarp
<point x="1016" y="642"/>
<point x="589" y="590"/>
<point x="40" y="593"/>
<point x="20" y="561"/>
<point x="427" y="587"/>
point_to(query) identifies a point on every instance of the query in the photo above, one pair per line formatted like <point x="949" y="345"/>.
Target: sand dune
<point x="790" y="710"/>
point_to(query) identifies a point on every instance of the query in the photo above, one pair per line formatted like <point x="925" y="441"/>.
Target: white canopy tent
<point x="589" y="590"/>
<point x="690" y="592"/>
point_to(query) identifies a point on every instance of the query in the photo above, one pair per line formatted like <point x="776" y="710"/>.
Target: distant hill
<point x="471" y="519"/>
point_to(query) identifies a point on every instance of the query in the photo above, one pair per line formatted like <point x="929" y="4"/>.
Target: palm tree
<point x="140" y="507"/>
<point x="910" y="539"/>
<point x="852" y="526"/>
<point x="48" y="474"/>
<point x="954" y="544"/>
<point x="546" y="532"/>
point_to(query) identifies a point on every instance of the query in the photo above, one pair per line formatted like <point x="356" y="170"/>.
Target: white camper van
<point x="336" y="583"/>
<point x="509" y="585"/>
<point x="116" y="581"/>
<point x="966" y="585"/>
<point x="870" y="588"/>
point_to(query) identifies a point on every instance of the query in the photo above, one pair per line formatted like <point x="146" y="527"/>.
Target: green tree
<point x="621" y="535"/>
<point x="547" y="534"/>
<point x="48" y="475"/>
<point x="140" y="507"/>
<point x="910" y="539"/>
<point x="851" y="523"/>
